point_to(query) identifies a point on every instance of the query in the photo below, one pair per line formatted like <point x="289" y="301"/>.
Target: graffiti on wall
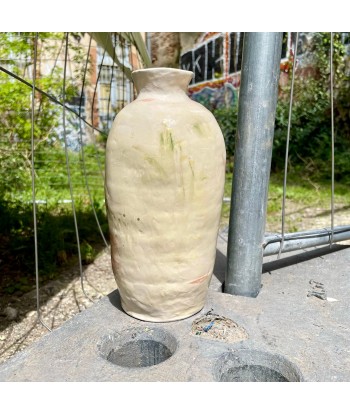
<point x="215" y="61"/>
<point x="221" y="96"/>
<point x="206" y="61"/>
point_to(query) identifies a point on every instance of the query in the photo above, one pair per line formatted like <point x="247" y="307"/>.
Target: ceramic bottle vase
<point x="165" y="172"/>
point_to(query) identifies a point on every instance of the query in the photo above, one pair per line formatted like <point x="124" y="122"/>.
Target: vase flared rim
<point x="162" y="69"/>
<point x="162" y="79"/>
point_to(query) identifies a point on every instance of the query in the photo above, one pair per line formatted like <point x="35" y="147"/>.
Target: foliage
<point x="302" y="194"/>
<point x="310" y="141"/>
<point x="57" y="244"/>
<point x="56" y="240"/>
<point x="17" y="55"/>
<point x="227" y="119"/>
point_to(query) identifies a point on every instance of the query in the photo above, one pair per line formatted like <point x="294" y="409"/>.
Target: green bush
<point x="57" y="244"/>
<point x="310" y="138"/>
<point x="227" y="119"/>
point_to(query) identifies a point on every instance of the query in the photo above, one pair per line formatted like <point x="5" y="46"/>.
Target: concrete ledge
<point x="312" y="334"/>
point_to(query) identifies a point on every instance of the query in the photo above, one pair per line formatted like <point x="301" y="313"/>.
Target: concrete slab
<point x="283" y="322"/>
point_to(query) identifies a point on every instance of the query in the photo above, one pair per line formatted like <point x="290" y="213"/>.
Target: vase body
<point x="165" y="174"/>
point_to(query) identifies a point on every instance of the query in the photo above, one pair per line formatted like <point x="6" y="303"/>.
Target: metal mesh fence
<point x="59" y="96"/>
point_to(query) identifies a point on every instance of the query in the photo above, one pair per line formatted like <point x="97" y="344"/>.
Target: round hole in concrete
<point x="137" y="348"/>
<point x="248" y="365"/>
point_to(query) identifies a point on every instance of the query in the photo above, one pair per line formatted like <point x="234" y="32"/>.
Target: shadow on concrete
<point x="114" y="299"/>
<point x="301" y="257"/>
<point x="336" y="210"/>
<point x="220" y="266"/>
<point x="292" y="259"/>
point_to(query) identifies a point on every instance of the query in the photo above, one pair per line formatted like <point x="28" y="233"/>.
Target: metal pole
<point x="252" y="161"/>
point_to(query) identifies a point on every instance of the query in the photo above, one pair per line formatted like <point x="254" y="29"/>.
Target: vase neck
<point x="161" y="81"/>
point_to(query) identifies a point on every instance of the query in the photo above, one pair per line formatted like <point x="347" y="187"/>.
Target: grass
<point x="305" y="201"/>
<point x="57" y="244"/>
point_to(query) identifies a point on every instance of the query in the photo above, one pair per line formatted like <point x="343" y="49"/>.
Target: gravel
<point x="60" y="300"/>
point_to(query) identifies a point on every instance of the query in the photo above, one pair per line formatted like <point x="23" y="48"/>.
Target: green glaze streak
<point x="167" y="140"/>
<point x="191" y="167"/>
<point x="153" y="162"/>
<point x="198" y="127"/>
<point x="171" y="141"/>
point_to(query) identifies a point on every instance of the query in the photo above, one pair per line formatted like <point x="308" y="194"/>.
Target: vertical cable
<point x="287" y="145"/>
<point x="124" y="44"/>
<point x="52" y="72"/>
<point x="110" y="84"/>
<point x="92" y="111"/>
<point x="33" y="189"/>
<point x="82" y="148"/>
<point x="130" y="62"/>
<point x="332" y="126"/>
<point x="68" y="168"/>
<point x="84" y="77"/>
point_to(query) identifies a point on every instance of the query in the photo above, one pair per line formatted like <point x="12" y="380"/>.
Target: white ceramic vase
<point x="165" y="173"/>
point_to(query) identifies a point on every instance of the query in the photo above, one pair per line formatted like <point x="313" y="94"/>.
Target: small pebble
<point x="11" y="313"/>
